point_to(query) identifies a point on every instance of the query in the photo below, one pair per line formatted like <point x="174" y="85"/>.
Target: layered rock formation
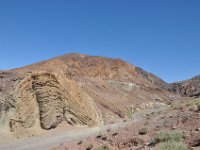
<point x="41" y="100"/>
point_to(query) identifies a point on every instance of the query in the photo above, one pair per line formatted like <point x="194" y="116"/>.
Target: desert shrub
<point x="99" y="135"/>
<point x="171" y="145"/>
<point x="196" y="103"/>
<point x="143" y="131"/>
<point x="89" y="147"/>
<point x="164" y="136"/>
<point x="129" y="113"/>
<point x="102" y="147"/>
<point x="104" y="137"/>
<point x="169" y="136"/>
<point x="169" y="141"/>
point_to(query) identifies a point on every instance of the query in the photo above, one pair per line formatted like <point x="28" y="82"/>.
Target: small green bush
<point x="169" y="141"/>
<point x="171" y="145"/>
<point x="143" y="131"/>
<point x="196" y="102"/>
<point x="169" y="136"/>
<point x="129" y="113"/>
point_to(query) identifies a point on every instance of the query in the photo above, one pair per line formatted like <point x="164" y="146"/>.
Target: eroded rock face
<point x="42" y="97"/>
<point x="189" y="88"/>
<point x="50" y="99"/>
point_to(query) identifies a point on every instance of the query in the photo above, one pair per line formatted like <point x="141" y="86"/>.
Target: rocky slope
<point x="189" y="87"/>
<point x="76" y="89"/>
<point x="186" y="88"/>
<point x="170" y="128"/>
<point x="151" y="78"/>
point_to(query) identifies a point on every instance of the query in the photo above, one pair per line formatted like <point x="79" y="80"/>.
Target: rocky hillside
<point x="189" y="87"/>
<point x="78" y="90"/>
<point x="186" y="88"/>
<point x="152" y="78"/>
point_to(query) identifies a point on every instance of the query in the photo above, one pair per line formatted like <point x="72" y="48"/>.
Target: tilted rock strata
<point x="42" y="97"/>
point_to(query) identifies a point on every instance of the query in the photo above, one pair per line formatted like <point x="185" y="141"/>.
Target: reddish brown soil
<point x="128" y="138"/>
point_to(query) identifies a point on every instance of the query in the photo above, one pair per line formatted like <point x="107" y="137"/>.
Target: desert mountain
<point x="79" y="90"/>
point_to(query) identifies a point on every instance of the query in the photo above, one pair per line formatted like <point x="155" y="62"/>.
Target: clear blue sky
<point x="161" y="36"/>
